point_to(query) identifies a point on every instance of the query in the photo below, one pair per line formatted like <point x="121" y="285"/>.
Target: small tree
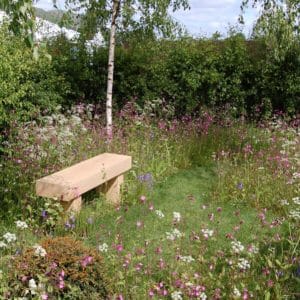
<point x="278" y="23"/>
<point x="149" y="16"/>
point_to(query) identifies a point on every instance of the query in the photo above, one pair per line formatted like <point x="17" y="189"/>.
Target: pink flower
<point x="236" y="228"/>
<point x="61" y="284"/>
<point x="151" y="207"/>
<point x="266" y="271"/>
<point x="270" y="283"/>
<point x="245" y="295"/>
<point x="139" y="224"/>
<point x="119" y="247"/>
<point x="44" y="296"/>
<point x="143" y="199"/>
<point x="151" y="294"/>
<point x="229" y="236"/>
<point x="161" y="263"/>
<point x="138" y="267"/>
<point x="158" y="250"/>
<point x="120" y="297"/>
<point x="86" y="261"/>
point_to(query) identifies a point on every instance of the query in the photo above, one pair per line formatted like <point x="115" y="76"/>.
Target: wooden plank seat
<point x="104" y="172"/>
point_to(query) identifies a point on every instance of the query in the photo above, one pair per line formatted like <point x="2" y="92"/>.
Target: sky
<point x="203" y="19"/>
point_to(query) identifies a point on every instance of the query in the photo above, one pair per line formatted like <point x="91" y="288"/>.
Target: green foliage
<point x="27" y="87"/>
<point x="149" y="16"/>
<point x="21" y="18"/>
<point x="186" y="74"/>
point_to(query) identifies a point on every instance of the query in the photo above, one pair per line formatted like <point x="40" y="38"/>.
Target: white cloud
<point x="209" y="16"/>
<point x="204" y="17"/>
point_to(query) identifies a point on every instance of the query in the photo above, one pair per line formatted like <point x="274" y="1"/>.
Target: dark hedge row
<point x="186" y="74"/>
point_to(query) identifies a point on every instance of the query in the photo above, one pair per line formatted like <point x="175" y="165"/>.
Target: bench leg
<point x="112" y="189"/>
<point x="73" y="205"/>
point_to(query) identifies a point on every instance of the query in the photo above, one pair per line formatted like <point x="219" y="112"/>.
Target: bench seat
<point x="104" y="171"/>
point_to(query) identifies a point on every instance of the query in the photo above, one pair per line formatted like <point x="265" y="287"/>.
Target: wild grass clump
<point x="264" y="171"/>
<point x="60" y="267"/>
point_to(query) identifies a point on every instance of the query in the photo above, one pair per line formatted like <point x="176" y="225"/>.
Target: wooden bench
<point x="104" y="172"/>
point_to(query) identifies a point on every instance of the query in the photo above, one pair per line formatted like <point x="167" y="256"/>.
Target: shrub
<point x="59" y="267"/>
<point x="27" y="87"/>
<point x="186" y="74"/>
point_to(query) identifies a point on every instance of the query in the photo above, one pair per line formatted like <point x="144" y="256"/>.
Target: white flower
<point x="160" y="214"/>
<point x="21" y="224"/>
<point x="2" y="245"/>
<point x="176" y="217"/>
<point x="75" y="119"/>
<point x="236" y="293"/>
<point x="243" y="264"/>
<point x="103" y="247"/>
<point x="10" y="237"/>
<point x="296" y="175"/>
<point x="176" y="295"/>
<point x="203" y="296"/>
<point x="187" y="259"/>
<point x="39" y="251"/>
<point x="207" y="233"/>
<point x="175" y="233"/>
<point x="296" y="200"/>
<point x="295" y="214"/>
<point x="32" y="286"/>
<point x="237" y="247"/>
<point x="284" y="202"/>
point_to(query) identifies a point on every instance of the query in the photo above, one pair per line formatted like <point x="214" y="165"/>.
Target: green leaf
<point x="267" y="295"/>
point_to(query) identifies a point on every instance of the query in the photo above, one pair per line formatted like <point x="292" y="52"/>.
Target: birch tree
<point x="278" y="23"/>
<point x="149" y="16"/>
<point x="110" y="76"/>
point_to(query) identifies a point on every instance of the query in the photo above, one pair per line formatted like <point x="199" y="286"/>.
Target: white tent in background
<point x="47" y="30"/>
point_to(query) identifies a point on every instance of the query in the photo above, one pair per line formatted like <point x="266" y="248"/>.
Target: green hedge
<point x="186" y="74"/>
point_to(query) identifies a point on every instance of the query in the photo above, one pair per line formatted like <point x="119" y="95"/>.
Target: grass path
<point x="186" y="192"/>
<point x="140" y="232"/>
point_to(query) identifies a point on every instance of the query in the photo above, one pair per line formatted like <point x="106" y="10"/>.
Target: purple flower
<point x="147" y="179"/>
<point x="240" y="186"/>
<point x="44" y="214"/>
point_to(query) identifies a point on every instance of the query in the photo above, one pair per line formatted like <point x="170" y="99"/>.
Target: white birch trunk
<point x="110" y="78"/>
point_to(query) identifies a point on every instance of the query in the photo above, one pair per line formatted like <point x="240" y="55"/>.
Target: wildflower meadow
<point x="140" y="160"/>
<point x="208" y="211"/>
